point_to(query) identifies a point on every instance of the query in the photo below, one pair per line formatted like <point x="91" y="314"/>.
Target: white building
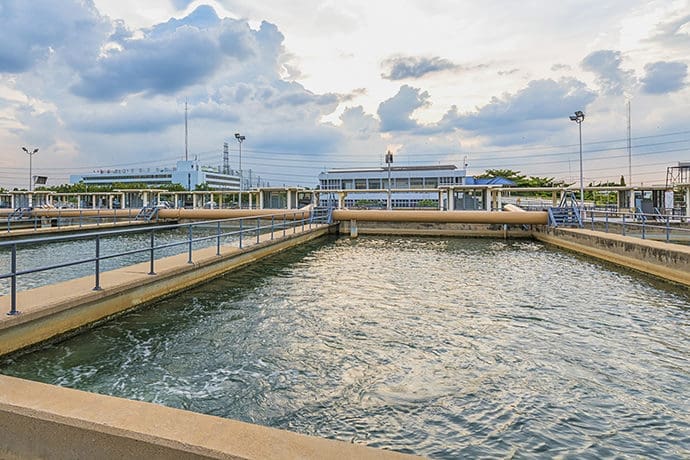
<point x="410" y="185"/>
<point x="187" y="173"/>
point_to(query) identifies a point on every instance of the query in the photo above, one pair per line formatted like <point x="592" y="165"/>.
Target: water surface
<point x="445" y="348"/>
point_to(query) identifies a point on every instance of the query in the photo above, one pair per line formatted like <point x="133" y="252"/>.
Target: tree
<point x="622" y="180"/>
<point x="509" y="174"/>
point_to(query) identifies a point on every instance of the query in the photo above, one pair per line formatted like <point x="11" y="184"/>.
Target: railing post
<point x="668" y="230"/>
<point x="273" y="221"/>
<point x="258" y="229"/>
<point x="13" y="265"/>
<point x="607" y="221"/>
<point x="592" y="220"/>
<point x="189" y="261"/>
<point x="97" y="287"/>
<point x="218" y="239"/>
<point x="643" y="227"/>
<point x="240" y="233"/>
<point x="152" y="271"/>
<point x="623" y="232"/>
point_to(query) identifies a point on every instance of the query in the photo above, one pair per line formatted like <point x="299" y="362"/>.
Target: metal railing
<point x="246" y="231"/>
<point x="657" y="226"/>
<point x="21" y="220"/>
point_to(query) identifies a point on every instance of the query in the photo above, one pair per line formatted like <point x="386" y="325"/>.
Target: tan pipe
<point x="210" y="214"/>
<point x="464" y="217"/>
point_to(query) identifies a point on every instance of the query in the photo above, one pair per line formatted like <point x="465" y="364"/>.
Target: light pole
<point x="240" y="138"/>
<point x="389" y="161"/>
<point x="31" y="154"/>
<point x="578" y="118"/>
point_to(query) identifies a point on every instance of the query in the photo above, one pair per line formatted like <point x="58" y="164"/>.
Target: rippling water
<point x="446" y="348"/>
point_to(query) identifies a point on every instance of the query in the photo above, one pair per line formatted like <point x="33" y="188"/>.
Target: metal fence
<point x="660" y="227"/>
<point x="31" y="220"/>
<point x="244" y="232"/>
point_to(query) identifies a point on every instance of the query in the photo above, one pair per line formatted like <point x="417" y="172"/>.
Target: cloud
<point x="559" y="67"/>
<point x="531" y="108"/>
<point x="508" y="72"/>
<point x="401" y="68"/>
<point x="664" y="77"/>
<point x="674" y="33"/>
<point x="361" y="125"/>
<point x="32" y="31"/>
<point x="395" y="112"/>
<point x="606" y="65"/>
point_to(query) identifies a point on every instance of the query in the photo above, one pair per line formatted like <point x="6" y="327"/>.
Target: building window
<point x="360" y="184"/>
<point x="347" y="184"/>
<point x="431" y="182"/>
<point x="416" y="182"/>
<point x="374" y="184"/>
<point x="401" y="183"/>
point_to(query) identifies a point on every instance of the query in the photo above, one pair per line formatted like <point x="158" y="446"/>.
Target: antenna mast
<point x="186" y="134"/>
<point x="629" y="149"/>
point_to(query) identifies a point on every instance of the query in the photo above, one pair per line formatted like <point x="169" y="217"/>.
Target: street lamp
<point x="578" y="118"/>
<point x="389" y="161"/>
<point x="31" y="154"/>
<point x="240" y="138"/>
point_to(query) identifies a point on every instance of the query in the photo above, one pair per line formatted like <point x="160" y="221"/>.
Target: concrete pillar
<point x="194" y="200"/>
<point x="31" y="199"/>
<point x="145" y="198"/>
<point x="110" y="201"/>
<point x="122" y="201"/>
<point x="251" y="195"/>
<point x="94" y="197"/>
<point x="353" y="229"/>
<point x="554" y="198"/>
<point x="211" y="199"/>
<point x="687" y="203"/>
<point x="341" y="200"/>
<point x="440" y="200"/>
<point x="486" y="193"/>
<point x="451" y="199"/>
<point x="12" y="206"/>
<point x="261" y="199"/>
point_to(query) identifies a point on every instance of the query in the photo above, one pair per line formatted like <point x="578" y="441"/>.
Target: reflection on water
<point x="446" y="348"/>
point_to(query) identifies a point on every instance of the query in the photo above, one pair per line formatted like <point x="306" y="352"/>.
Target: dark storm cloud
<point x="606" y="65"/>
<point x="664" y="77"/>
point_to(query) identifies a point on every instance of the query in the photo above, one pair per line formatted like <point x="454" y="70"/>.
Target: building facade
<point x="187" y="173"/>
<point x="411" y="186"/>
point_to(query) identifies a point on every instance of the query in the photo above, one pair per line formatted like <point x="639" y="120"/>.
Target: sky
<point x="313" y="85"/>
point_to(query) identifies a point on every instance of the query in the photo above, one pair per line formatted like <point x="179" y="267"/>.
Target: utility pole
<point x="389" y="162"/>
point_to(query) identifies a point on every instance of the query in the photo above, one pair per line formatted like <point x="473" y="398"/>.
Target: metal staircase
<point x="147" y="213"/>
<point x="566" y="214"/>
<point x="322" y="214"/>
<point x="20" y="214"/>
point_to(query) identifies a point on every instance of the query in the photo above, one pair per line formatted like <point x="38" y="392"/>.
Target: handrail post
<point x="97" y="287"/>
<point x="218" y="238"/>
<point x="668" y="230"/>
<point x="189" y="261"/>
<point x="623" y="233"/>
<point x="273" y="219"/>
<point x="607" y="221"/>
<point x="258" y="229"/>
<point x="240" y="233"/>
<point x="13" y="265"/>
<point x="643" y="227"/>
<point x="152" y="271"/>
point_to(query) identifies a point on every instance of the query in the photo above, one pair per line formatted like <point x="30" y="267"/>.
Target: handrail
<point x="645" y="223"/>
<point x="151" y="248"/>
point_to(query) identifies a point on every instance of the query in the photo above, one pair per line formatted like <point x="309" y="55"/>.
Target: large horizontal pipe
<point x="210" y="214"/>
<point x="464" y="217"/>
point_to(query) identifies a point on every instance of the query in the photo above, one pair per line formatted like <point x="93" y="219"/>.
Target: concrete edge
<point x="73" y="424"/>
<point x="562" y="238"/>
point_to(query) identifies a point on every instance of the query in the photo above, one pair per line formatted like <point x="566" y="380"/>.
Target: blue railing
<point x="248" y="232"/>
